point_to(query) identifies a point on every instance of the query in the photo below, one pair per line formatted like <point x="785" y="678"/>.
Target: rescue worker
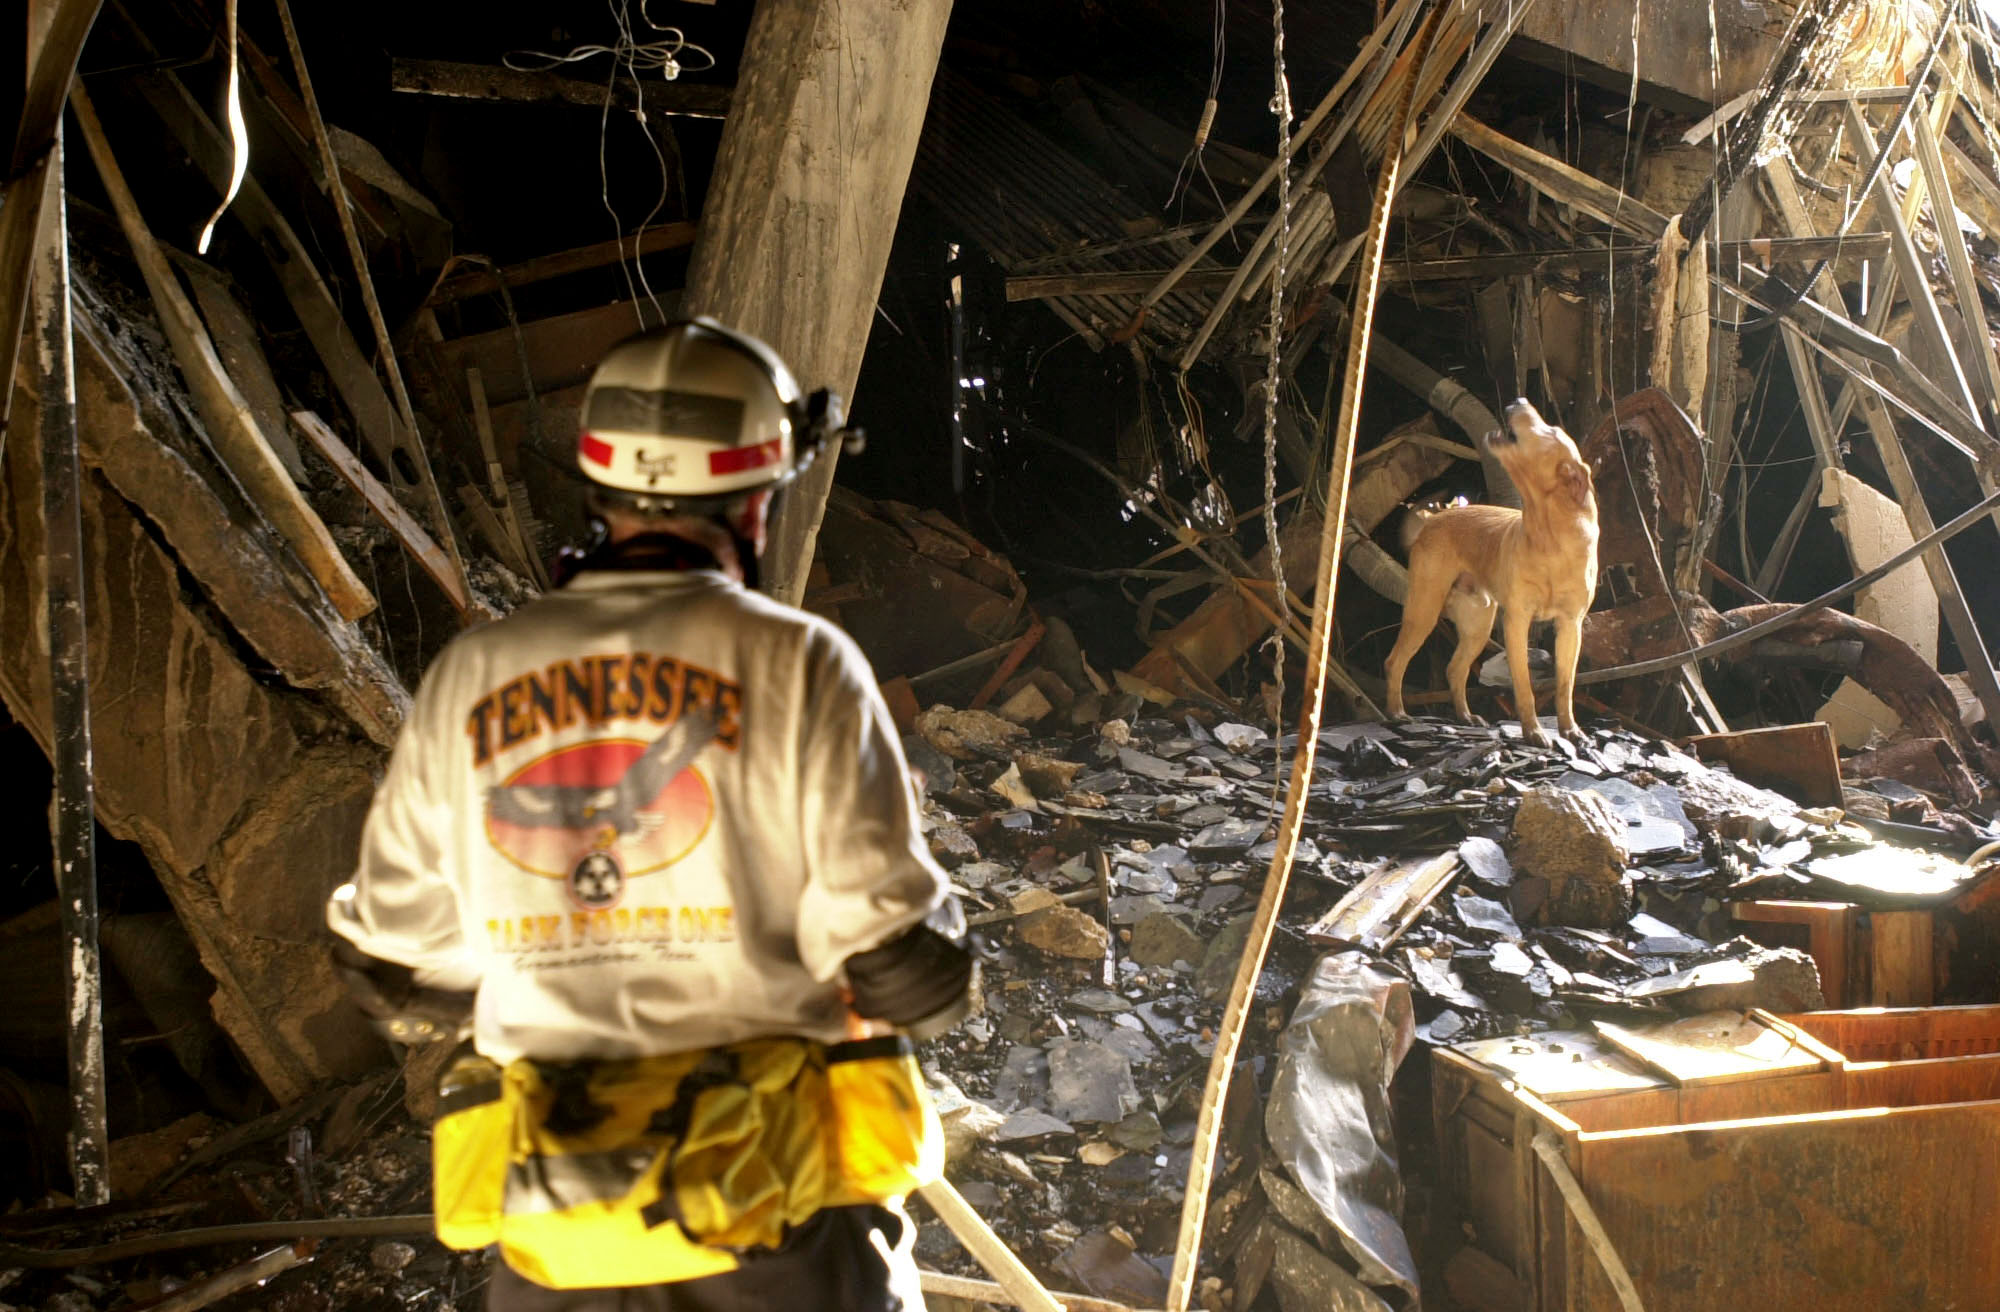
<point x="654" y="815"/>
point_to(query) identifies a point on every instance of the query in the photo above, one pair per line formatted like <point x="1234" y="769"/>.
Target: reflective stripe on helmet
<point x="734" y="460"/>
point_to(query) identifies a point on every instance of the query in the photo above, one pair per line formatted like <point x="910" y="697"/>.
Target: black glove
<point x="403" y="1010"/>
<point x="920" y="981"/>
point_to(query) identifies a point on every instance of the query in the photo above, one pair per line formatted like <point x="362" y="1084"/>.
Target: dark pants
<point x="845" y="1259"/>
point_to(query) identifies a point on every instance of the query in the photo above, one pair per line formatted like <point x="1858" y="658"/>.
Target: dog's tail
<point x="1414" y="519"/>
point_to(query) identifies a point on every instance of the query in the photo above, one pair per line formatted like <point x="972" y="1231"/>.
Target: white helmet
<point x="695" y="413"/>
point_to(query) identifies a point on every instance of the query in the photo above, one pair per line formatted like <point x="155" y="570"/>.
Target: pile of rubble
<point x="1456" y="884"/>
<point x="1461" y="884"/>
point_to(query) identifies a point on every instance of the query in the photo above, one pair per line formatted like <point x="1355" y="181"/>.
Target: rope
<point x="1281" y="105"/>
<point x="1229" y="1032"/>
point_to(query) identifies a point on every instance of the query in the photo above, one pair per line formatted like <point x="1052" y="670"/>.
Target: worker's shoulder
<point x="817" y="635"/>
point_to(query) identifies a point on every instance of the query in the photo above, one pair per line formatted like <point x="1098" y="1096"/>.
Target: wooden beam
<point x="58" y="34"/>
<point x="162" y="465"/>
<point x="562" y="349"/>
<point x="73" y="808"/>
<point x="400" y="522"/>
<point x="479" y="282"/>
<point x="439" y="77"/>
<point x="384" y="343"/>
<point x="353" y="377"/>
<point x="242" y="354"/>
<point x="224" y="413"/>
<point x="1558" y="181"/>
<point x="810" y="174"/>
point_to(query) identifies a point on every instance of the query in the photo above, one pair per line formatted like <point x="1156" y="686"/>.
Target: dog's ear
<point x="1573" y="476"/>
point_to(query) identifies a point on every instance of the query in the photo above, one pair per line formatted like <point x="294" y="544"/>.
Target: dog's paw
<point x="1476" y="721"/>
<point x="1534" y="734"/>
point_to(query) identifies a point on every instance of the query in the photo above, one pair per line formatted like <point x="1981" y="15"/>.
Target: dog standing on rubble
<point x="1538" y="562"/>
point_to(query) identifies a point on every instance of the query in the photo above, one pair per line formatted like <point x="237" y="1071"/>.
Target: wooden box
<point x="1837" y="1186"/>
<point x="1905" y="1033"/>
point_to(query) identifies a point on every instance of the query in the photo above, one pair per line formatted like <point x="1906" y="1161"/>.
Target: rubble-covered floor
<point x="1070" y="1097"/>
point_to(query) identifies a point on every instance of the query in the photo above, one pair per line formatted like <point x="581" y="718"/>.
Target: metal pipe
<point x="247" y="1275"/>
<point x="73" y="811"/>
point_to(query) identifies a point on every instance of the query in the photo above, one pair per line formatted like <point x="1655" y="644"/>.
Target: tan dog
<point x="1539" y="562"/>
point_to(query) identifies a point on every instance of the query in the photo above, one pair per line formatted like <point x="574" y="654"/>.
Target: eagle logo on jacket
<point x="598" y="813"/>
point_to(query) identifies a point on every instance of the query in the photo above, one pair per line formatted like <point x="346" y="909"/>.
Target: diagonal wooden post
<point x="808" y="182"/>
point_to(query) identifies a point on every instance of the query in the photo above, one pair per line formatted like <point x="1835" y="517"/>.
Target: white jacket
<point x="647" y="813"/>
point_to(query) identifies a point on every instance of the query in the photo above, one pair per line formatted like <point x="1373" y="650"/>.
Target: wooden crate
<point x="1905" y="1033"/>
<point x="1860" y="1186"/>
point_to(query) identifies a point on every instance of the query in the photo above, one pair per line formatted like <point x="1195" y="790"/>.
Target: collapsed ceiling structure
<point x="1111" y="361"/>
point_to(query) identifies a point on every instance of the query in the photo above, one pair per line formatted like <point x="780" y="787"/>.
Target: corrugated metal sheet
<point x="1030" y="204"/>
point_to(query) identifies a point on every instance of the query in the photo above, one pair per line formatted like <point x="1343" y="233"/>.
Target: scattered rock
<point x="1028" y="706"/>
<point x="952" y="846"/>
<point x="1776" y="979"/>
<point x="1048" y="776"/>
<point x="391" y="1256"/>
<point x="967" y="735"/>
<point x="1116" y="732"/>
<point x="1064" y="932"/>
<point x="1030" y="1123"/>
<point x="1013" y="790"/>
<point x="1218" y="963"/>
<point x="939" y="775"/>
<point x="1562" y="835"/>
<point x="1140" y="1132"/>
<point x="1089" y="1082"/>
<point x="1162" y="939"/>
<point x="1576" y="842"/>
<point x="1102" y="1266"/>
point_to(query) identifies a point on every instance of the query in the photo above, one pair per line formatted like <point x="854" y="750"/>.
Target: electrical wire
<point x="1192" y="162"/>
<point x="631" y="58"/>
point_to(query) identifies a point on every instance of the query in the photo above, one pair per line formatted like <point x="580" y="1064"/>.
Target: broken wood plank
<point x="151" y="459"/>
<point x="1376" y="911"/>
<point x="242" y="354"/>
<point x="440" y="77"/>
<point x="73" y="807"/>
<point x="384" y="342"/>
<point x="223" y="411"/>
<point x="390" y="511"/>
<point x="562" y="349"/>
<point x="1798" y="760"/>
<point x="353" y="377"/>
<point x="503" y="496"/>
<point x="1562" y="183"/>
<point x="491" y="530"/>
<point x="58" y="42"/>
<point x="479" y="282"/>
<point x="970" y="1228"/>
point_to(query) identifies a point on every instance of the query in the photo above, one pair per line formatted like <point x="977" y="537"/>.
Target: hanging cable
<point x="667" y="54"/>
<point x="239" y="136"/>
<point x="1192" y="162"/>
<point x="1281" y="106"/>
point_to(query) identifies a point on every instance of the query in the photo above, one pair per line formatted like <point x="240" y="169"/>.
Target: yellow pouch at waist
<point x="669" y="1168"/>
<point x="886" y="1139"/>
